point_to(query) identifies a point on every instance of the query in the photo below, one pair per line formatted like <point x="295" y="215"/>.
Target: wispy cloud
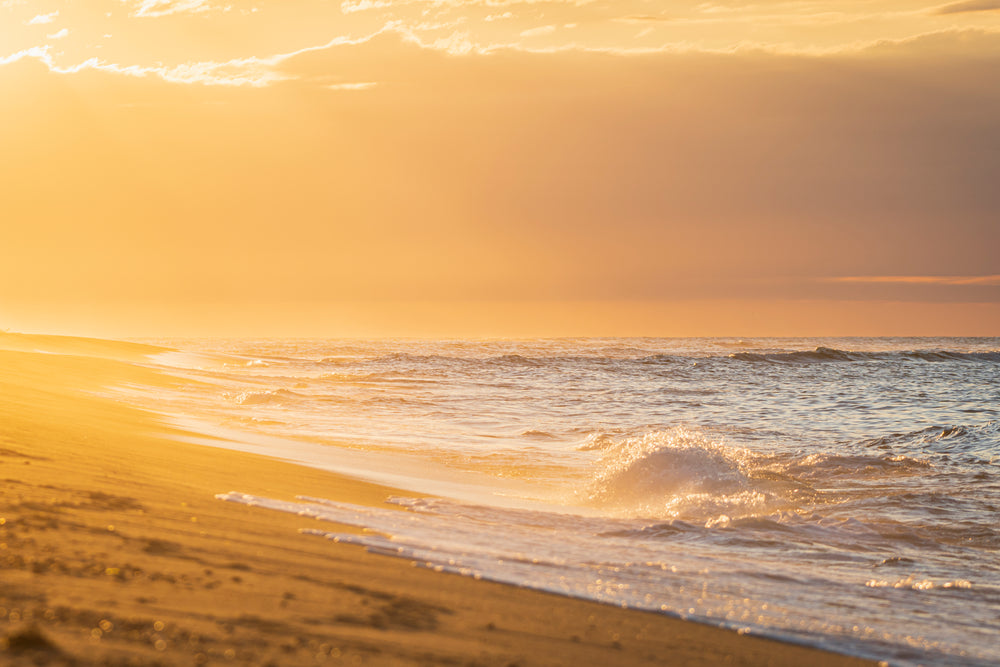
<point x="251" y="72"/>
<point x="157" y="8"/>
<point x="919" y="280"/>
<point x="38" y="52"/>
<point x="44" y="18"/>
<point x="349" y="6"/>
<point x="642" y="18"/>
<point x="364" y="85"/>
<point x="332" y="69"/>
<point x="969" y="6"/>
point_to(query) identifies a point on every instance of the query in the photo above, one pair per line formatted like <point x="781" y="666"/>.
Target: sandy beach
<point x="114" y="550"/>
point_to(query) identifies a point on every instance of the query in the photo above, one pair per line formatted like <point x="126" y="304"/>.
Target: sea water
<point x="841" y="493"/>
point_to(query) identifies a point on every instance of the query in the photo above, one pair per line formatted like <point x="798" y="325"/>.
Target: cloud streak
<point x="250" y="72"/>
<point x="44" y="18"/>
<point x="993" y="280"/>
<point x="969" y="6"/>
<point x="158" y="8"/>
<point x="335" y="70"/>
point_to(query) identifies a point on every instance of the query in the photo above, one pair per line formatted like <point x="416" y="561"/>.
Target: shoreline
<point x="115" y="550"/>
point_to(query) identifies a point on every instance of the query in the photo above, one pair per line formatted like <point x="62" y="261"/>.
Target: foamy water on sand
<point x="842" y="493"/>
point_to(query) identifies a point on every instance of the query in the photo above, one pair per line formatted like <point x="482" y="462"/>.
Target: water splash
<point x="680" y="473"/>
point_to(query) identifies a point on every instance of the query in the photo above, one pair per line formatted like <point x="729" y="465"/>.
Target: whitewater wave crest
<point x="681" y="473"/>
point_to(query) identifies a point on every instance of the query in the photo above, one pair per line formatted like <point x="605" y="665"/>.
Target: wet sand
<point x="114" y="550"/>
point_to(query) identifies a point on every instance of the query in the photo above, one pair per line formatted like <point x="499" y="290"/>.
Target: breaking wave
<point x="681" y="473"/>
<point x="685" y="474"/>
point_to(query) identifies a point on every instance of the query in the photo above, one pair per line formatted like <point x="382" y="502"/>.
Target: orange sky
<point x="411" y="167"/>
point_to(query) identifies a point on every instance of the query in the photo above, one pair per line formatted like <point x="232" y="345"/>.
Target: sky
<point x="500" y="167"/>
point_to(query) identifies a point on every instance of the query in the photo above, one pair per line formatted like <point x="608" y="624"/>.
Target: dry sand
<point x="113" y="550"/>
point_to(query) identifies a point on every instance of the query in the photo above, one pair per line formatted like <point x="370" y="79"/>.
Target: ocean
<point x="841" y="493"/>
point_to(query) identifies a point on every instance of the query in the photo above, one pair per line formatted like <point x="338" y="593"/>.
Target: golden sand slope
<point x="113" y="550"/>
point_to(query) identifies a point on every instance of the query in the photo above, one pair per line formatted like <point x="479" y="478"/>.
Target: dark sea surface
<point x="842" y="493"/>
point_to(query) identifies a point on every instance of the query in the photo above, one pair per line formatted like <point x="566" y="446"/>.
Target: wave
<point x="829" y="354"/>
<point x="598" y="441"/>
<point x="680" y="473"/>
<point x="693" y="475"/>
<point x="973" y="443"/>
<point x="516" y="360"/>
<point x="377" y="378"/>
<point x="511" y="359"/>
<point x="538" y="434"/>
<point x="264" y="397"/>
<point x="666" y="359"/>
<point x="828" y="466"/>
<point x="817" y="355"/>
<point x="777" y="527"/>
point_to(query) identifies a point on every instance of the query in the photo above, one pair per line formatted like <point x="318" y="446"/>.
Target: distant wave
<point x="828" y="354"/>
<point x="665" y="359"/>
<point x="970" y="443"/>
<point x="537" y="434"/>
<point x="819" y="354"/>
<point x="264" y="397"/>
<point x="500" y="360"/>
<point x="377" y="378"/>
<point x="514" y="360"/>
